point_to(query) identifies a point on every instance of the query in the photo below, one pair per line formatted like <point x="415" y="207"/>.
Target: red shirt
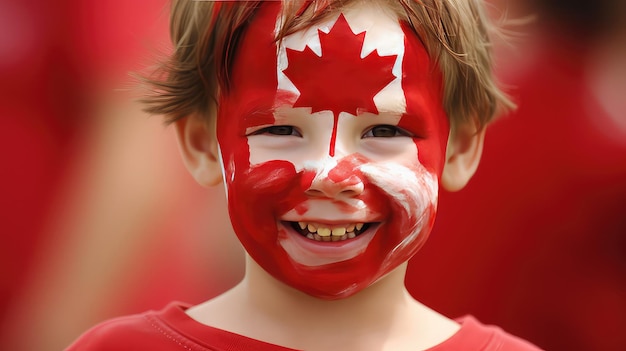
<point x="172" y="329"/>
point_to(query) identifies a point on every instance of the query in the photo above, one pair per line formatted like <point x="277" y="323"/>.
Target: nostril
<point x="315" y="193"/>
<point x="353" y="188"/>
<point x="350" y="192"/>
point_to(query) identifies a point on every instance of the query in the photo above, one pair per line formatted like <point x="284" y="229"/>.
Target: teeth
<point x="339" y="231"/>
<point x="323" y="232"/>
<point x="320" y="233"/>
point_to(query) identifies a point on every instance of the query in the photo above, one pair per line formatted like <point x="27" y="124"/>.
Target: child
<point x="332" y="124"/>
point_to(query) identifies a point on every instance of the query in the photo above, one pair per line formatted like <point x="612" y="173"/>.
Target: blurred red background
<point x="99" y="217"/>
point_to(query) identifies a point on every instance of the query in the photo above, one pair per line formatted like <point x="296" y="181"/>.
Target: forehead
<point x="261" y="67"/>
<point x="355" y="58"/>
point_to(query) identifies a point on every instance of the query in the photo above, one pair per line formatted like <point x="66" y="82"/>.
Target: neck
<point x="376" y="314"/>
<point x="381" y="317"/>
<point x="273" y="298"/>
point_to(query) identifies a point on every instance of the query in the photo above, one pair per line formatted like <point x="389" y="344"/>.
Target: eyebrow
<point x="256" y="111"/>
<point x="257" y="117"/>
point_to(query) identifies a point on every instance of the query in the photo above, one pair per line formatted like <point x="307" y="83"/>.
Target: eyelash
<point x="279" y="130"/>
<point x="370" y="133"/>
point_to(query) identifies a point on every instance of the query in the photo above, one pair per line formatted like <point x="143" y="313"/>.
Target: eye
<point x="385" y="131"/>
<point x="278" y="130"/>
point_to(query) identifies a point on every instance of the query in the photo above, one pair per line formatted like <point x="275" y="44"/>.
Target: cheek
<point x="412" y="193"/>
<point x="256" y="198"/>
<point x="410" y="188"/>
<point x="258" y="154"/>
<point x="432" y="154"/>
<point x="273" y="184"/>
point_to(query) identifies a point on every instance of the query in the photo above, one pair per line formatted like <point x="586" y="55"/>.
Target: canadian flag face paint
<point x="332" y="143"/>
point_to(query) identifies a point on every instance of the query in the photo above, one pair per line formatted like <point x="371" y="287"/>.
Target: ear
<point x="197" y="140"/>
<point x="465" y="147"/>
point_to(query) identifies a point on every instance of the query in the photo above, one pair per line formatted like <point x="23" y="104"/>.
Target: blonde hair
<point x="205" y="35"/>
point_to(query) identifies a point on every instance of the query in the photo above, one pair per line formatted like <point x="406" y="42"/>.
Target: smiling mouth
<point x="321" y="232"/>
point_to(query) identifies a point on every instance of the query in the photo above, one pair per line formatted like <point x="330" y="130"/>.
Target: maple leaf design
<point x="339" y="80"/>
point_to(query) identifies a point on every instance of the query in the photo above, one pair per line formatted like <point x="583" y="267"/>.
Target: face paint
<point x="332" y="144"/>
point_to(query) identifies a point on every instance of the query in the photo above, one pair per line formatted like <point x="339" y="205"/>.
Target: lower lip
<point x="314" y="253"/>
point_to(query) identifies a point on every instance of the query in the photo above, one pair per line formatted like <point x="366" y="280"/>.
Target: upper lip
<point x="331" y="223"/>
<point x="321" y="224"/>
<point x="331" y="211"/>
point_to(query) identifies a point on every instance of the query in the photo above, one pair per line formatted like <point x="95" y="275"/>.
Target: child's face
<point x="332" y="163"/>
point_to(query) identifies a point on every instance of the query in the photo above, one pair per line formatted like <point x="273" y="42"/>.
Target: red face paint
<point x="327" y="167"/>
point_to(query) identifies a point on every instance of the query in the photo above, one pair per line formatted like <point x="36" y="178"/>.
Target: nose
<point x="336" y="182"/>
